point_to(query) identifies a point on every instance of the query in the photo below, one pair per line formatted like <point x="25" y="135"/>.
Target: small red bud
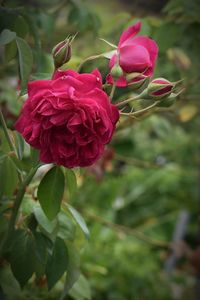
<point x="62" y="53"/>
<point x="136" y="80"/>
<point x="160" y="88"/>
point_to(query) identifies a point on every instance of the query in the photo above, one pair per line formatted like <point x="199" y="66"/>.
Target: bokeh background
<point x="142" y="200"/>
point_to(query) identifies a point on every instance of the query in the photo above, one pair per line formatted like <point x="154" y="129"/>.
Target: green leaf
<point x="4" y="146"/>
<point x="34" y="153"/>
<point x="10" y="51"/>
<point x="37" y="76"/>
<point x="21" y="27"/>
<point x="66" y="228"/>
<point x="50" y="192"/>
<point x="57" y="263"/>
<point x="32" y="24"/>
<point x="3" y="225"/>
<point x="79" y="219"/>
<point x="9" y="177"/>
<point x="73" y="271"/>
<point x="71" y="182"/>
<point x="22" y="256"/>
<point x="25" y="61"/>
<point x="43" y="244"/>
<point x="48" y="226"/>
<point x="81" y="289"/>
<point x="6" y="37"/>
<point x="20" y="144"/>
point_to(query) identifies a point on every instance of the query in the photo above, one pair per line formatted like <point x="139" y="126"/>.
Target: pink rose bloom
<point x="134" y="55"/>
<point x="69" y="118"/>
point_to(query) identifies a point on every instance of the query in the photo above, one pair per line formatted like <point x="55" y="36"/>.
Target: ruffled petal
<point x="36" y="86"/>
<point x="60" y="73"/>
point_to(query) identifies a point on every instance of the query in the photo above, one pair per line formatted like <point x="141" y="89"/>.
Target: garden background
<point x="141" y="202"/>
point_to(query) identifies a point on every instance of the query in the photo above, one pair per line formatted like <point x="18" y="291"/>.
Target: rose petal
<point x="121" y="82"/>
<point x="60" y="73"/>
<point x="113" y="61"/>
<point x="129" y="33"/>
<point x="151" y="47"/>
<point x="134" y="58"/>
<point x="38" y="85"/>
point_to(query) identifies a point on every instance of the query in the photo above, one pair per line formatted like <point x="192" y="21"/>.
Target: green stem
<point x="141" y="111"/>
<point x="17" y="203"/>
<point x="140" y="96"/>
<point x="5" y="129"/>
<point x="112" y="91"/>
<point x="88" y="59"/>
<point x="10" y="143"/>
<point x="128" y="100"/>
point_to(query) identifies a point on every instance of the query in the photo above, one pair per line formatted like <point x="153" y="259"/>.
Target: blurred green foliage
<point x="131" y="203"/>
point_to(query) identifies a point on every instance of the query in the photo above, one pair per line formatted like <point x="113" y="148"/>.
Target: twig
<point x="136" y="162"/>
<point x="141" y="111"/>
<point x="130" y="231"/>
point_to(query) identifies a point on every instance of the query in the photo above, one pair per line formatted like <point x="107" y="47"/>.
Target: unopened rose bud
<point x="133" y="76"/>
<point x="160" y="88"/>
<point x="62" y="53"/>
<point x="167" y="102"/>
<point x="116" y="72"/>
<point x="136" y="80"/>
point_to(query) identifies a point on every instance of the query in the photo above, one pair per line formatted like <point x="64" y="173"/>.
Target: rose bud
<point x="167" y="102"/>
<point x="160" y="88"/>
<point x="134" y="54"/>
<point x="62" y="53"/>
<point x="136" y="80"/>
<point x="116" y="72"/>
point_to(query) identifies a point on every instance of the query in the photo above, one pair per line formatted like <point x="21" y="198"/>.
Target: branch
<point x="129" y="231"/>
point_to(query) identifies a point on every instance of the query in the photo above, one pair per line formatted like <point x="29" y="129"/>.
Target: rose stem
<point x="17" y="203"/>
<point x="10" y="143"/>
<point x="140" y="111"/>
<point x="88" y="59"/>
<point x="112" y="91"/>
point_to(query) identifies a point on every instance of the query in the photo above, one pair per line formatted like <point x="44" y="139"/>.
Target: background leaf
<point x="81" y="289"/>
<point x="8" y="177"/>
<point x="7" y="36"/>
<point x="25" y="62"/>
<point x="71" y="181"/>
